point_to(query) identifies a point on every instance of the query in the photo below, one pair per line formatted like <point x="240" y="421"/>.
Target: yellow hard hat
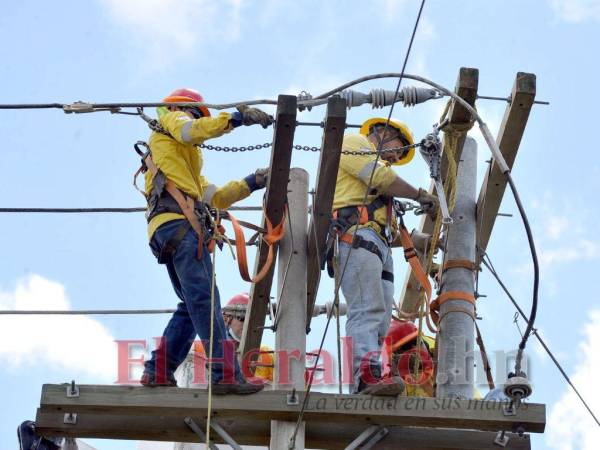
<point x="404" y="131"/>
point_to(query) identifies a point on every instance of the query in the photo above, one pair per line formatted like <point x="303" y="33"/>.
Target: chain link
<point x="304" y="148"/>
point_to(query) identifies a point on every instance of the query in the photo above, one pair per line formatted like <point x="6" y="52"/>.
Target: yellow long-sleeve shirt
<point x="181" y="161"/>
<point x="353" y="178"/>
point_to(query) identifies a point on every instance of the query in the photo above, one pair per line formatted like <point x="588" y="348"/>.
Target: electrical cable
<point x="105" y="210"/>
<point x="82" y="312"/>
<point x="488" y="264"/>
<point x="292" y="443"/>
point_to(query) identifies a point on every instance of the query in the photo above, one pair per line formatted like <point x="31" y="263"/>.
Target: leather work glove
<point x="254" y="116"/>
<point x="429" y="203"/>
<point x="262" y="176"/>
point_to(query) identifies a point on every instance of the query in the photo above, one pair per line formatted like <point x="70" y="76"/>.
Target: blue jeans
<point x="191" y="279"/>
<point x="369" y="299"/>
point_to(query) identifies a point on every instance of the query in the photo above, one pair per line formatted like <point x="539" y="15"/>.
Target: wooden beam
<point x="466" y="87"/>
<point x="331" y="408"/>
<point x="248" y="431"/>
<point x="509" y="137"/>
<point x="331" y="148"/>
<point x="275" y="200"/>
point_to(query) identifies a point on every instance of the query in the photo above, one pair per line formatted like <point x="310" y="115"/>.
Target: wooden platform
<point x="133" y="412"/>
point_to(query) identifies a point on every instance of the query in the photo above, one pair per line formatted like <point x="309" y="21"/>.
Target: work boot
<point x="150" y="380"/>
<point x="372" y="383"/>
<point x="244" y="387"/>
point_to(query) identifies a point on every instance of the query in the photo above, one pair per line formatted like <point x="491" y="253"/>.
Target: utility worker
<point x="402" y="358"/>
<point x="368" y="278"/>
<point x="234" y="315"/>
<point x="178" y="238"/>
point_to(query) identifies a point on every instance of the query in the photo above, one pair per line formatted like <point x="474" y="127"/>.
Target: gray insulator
<point x="378" y="98"/>
<point x="355" y="98"/>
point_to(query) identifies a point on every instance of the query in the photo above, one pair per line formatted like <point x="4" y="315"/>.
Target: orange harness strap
<point x="450" y="295"/>
<point x="459" y="263"/>
<point x="410" y="254"/>
<point x="185" y="203"/>
<point x="273" y="235"/>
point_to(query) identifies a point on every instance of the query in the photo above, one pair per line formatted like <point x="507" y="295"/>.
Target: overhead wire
<point x="292" y="443"/>
<point x="104" y="210"/>
<point x="488" y="264"/>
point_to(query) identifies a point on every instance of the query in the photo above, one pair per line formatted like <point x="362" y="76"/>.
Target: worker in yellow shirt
<point x="401" y="357"/>
<point x="368" y="279"/>
<point x="234" y="315"/>
<point x="179" y="229"/>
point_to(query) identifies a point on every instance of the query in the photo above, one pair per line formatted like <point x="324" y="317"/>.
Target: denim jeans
<point x="369" y="299"/>
<point x="191" y="279"/>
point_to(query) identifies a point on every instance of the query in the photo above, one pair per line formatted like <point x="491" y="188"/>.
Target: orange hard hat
<point x="237" y="305"/>
<point x="187" y="95"/>
<point x="401" y="333"/>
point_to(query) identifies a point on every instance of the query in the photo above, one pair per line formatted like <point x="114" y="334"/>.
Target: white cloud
<point x="74" y="343"/>
<point x="575" y="11"/>
<point x="570" y="426"/>
<point x="556" y="227"/>
<point x="170" y="29"/>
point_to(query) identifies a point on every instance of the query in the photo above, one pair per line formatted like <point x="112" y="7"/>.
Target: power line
<point x="492" y="270"/>
<point x="83" y="312"/>
<point x="292" y="443"/>
<point x="104" y="210"/>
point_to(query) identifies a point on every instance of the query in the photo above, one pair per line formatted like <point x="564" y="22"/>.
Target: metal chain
<point x="305" y="148"/>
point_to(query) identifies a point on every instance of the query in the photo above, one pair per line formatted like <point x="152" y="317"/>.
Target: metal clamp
<point x="293" y="399"/>
<point x="431" y="151"/>
<point x="78" y="107"/>
<point x="501" y="439"/>
<point x="509" y="409"/>
<point x="72" y="390"/>
<point x="70" y="419"/>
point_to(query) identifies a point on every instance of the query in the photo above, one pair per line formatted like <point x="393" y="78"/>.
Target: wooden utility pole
<point x="275" y="199"/>
<point x="509" y="137"/>
<point x="321" y="210"/>
<point x="290" y="321"/>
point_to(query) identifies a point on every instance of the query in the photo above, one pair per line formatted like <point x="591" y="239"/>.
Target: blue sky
<point x="134" y="50"/>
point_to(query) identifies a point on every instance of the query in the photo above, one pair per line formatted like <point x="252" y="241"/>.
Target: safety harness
<point x="349" y="216"/>
<point x="165" y="197"/>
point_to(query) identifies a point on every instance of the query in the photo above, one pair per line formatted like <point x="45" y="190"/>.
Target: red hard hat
<point x="187" y="95"/>
<point x="237" y="305"/>
<point x="400" y="333"/>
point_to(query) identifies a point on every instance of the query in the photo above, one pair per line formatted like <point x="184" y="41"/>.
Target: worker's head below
<point x="185" y="95"/>
<point x="395" y="135"/>
<point x="234" y="314"/>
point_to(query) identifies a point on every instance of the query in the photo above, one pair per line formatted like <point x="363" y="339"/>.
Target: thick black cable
<point x="536" y="275"/>
<point x="488" y="264"/>
<point x="292" y="443"/>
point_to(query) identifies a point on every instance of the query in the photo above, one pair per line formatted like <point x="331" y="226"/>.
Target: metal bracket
<point x="72" y="390"/>
<point x="501" y="439"/>
<point x="218" y="429"/>
<point x="70" y="419"/>
<point x="293" y="399"/>
<point x="196" y="429"/>
<point x="509" y="409"/>
<point x="368" y="438"/>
